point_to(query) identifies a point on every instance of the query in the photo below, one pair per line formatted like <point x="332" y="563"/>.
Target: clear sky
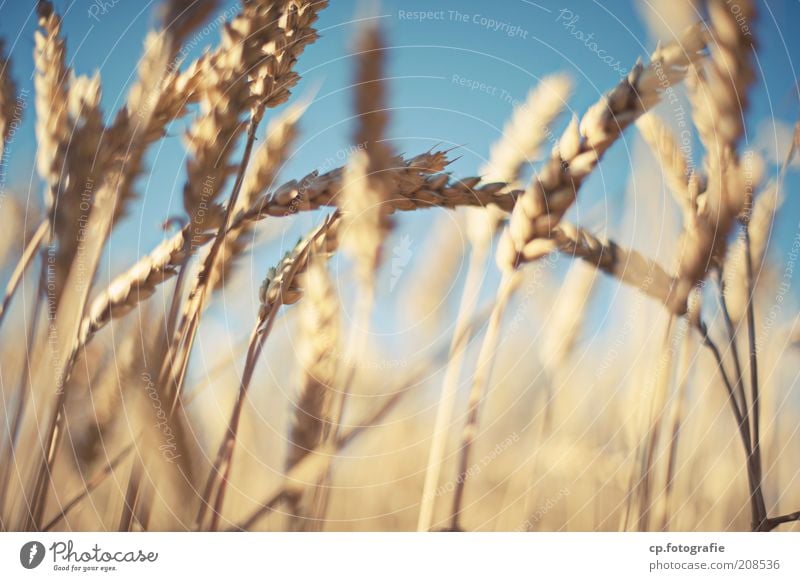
<point x="454" y="78"/>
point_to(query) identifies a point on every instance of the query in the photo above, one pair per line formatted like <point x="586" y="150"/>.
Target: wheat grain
<point x="274" y="79"/>
<point x="417" y="185"/>
<point x="139" y="282"/>
<point x="135" y="285"/>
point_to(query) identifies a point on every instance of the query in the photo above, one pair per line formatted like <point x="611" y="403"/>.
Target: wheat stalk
<point x="281" y="286"/>
<point x="265" y="38"/>
<point x="523" y="137"/>
<point x="267" y="161"/>
<point x="318" y="345"/>
<point x="318" y="348"/>
<point x="314" y="466"/>
<point x="480" y="382"/>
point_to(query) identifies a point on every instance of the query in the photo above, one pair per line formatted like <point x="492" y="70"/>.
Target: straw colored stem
<point x="444" y="409"/>
<point x="480" y="382"/>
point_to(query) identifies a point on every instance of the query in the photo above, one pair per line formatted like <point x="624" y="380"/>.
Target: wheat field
<point x="546" y="371"/>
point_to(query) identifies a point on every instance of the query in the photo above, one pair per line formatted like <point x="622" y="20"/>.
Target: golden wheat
<point x="174" y="466"/>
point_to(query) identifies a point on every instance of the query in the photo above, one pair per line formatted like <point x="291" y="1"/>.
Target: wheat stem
<point x="480" y="382"/>
<point x="444" y="409"/>
<point x="759" y="522"/>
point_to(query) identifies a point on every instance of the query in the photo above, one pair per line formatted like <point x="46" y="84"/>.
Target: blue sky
<point x="506" y="47"/>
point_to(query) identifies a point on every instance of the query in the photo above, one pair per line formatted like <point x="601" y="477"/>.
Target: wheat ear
<point x="140" y="281"/>
<point x="760" y="226"/>
<point x="583" y="143"/>
<point x="365" y="188"/>
<point x="318" y="345"/>
<point x="719" y="98"/>
<point x="51" y="82"/>
<point x="624" y="264"/>
<point x="674" y="164"/>
<point x="264" y="47"/>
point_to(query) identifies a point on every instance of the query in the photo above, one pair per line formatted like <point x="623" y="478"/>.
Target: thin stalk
<point x="22" y="391"/>
<point x="735" y="354"/>
<point x="19" y="270"/>
<point x="357" y="343"/>
<point x="737" y="413"/>
<point x="677" y="422"/>
<point x="773" y="522"/>
<point x="132" y="495"/>
<point x="89" y="487"/>
<point x="190" y="321"/>
<point x="224" y="458"/>
<point x="756" y="498"/>
<point x="444" y="411"/>
<point x="759" y="524"/>
<point x="483" y="371"/>
<point x="275" y="499"/>
<point x="657" y="418"/>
